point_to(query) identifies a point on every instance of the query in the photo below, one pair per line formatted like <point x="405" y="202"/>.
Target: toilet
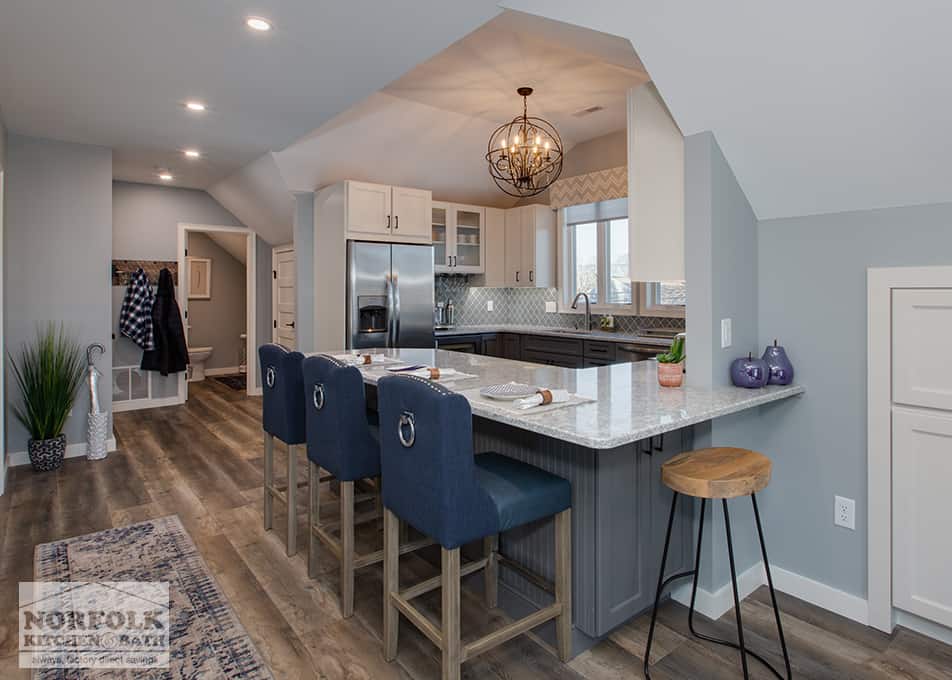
<point x="197" y="356"/>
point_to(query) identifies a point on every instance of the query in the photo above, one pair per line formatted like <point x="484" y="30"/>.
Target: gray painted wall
<point x="146" y="217"/>
<point x="57" y="255"/>
<point x="812" y="279"/>
<point x="721" y="270"/>
<point x="304" y="269"/>
<point x="219" y="321"/>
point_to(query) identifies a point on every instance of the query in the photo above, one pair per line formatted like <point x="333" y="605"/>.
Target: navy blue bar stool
<point x="433" y="481"/>
<point x="341" y="440"/>
<point x="282" y="418"/>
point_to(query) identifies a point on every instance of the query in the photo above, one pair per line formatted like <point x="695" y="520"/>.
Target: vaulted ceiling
<point x="818" y="106"/>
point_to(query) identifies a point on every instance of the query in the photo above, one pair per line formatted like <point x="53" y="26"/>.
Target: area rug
<point x="235" y="382"/>
<point x="206" y="638"/>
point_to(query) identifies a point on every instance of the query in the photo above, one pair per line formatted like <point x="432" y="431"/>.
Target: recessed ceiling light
<point x="258" y="24"/>
<point x="193" y="153"/>
<point x="166" y="176"/>
<point x="194" y="105"/>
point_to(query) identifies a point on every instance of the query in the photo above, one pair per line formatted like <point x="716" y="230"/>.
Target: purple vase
<point x="778" y="365"/>
<point x="749" y="372"/>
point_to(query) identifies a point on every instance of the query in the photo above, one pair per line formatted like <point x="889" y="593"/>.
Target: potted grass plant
<point x="671" y="364"/>
<point x="49" y="373"/>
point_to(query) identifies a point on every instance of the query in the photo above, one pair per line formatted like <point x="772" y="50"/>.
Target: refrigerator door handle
<point x="396" y="304"/>
<point x="390" y="310"/>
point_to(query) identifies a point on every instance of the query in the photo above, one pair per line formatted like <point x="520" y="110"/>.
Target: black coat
<point x="171" y="353"/>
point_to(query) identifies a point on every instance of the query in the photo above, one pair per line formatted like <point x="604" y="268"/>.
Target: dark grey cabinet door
<point x="633" y="507"/>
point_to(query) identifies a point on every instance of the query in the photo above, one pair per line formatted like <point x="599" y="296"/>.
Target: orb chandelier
<point x="525" y="154"/>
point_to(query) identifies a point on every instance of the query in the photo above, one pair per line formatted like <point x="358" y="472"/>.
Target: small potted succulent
<point x="49" y="373"/>
<point x="671" y="364"/>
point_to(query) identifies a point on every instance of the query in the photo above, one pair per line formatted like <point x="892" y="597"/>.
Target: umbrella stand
<point x="97" y="423"/>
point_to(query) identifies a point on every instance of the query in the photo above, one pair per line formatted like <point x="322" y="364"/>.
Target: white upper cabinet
<point x="368" y="208"/>
<point x="459" y="238"/>
<point x="380" y="212"/>
<point x="411" y="213"/>
<point x="530" y="247"/>
<point x="655" y="189"/>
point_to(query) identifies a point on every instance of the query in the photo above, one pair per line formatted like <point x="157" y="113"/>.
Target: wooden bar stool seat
<point x="722" y="472"/>
<point x="717" y="473"/>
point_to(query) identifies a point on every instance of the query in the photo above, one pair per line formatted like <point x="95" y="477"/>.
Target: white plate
<point x="508" y="391"/>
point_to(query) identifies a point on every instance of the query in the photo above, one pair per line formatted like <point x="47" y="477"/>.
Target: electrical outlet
<point x="844" y="512"/>
<point x="725" y="333"/>
<point x="551" y="307"/>
<point x="489" y="305"/>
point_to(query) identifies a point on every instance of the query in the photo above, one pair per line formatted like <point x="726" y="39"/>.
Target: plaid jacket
<point x="135" y="318"/>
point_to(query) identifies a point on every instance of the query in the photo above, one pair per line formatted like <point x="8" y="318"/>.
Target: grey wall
<point x="721" y="234"/>
<point x="3" y="352"/>
<point x="219" y="321"/>
<point x="304" y="269"/>
<point x="812" y="279"/>
<point x="146" y="218"/>
<point x="57" y="249"/>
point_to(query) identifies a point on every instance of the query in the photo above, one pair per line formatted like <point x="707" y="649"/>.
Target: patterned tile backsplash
<point x="524" y="306"/>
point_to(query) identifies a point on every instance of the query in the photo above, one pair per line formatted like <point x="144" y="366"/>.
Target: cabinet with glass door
<point x="458" y="238"/>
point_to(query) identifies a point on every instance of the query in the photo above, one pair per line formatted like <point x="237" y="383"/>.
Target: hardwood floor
<point x="203" y="461"/>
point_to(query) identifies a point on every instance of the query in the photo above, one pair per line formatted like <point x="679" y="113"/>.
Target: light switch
<point x="551" y="307"/>
<point x="725" y="333"/>
<point x="489" y="305"/>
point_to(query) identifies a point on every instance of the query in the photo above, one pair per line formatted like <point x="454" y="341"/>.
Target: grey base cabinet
<point x="619" y="513"/>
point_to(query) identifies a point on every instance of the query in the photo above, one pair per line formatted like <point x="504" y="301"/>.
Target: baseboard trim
<point x="227" y="370"/>
<point x="715" y="605"/>
<point x="827" y="597"/>
<point x="139" y="404"/>
<point x="923" y="626"/>
<point x="72" y="451"/>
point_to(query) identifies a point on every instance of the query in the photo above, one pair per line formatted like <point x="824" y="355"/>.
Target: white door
<point x="922" y="452"/>
<point x="368" y="208"/>
<point x="284" y="309"/>
<point x="470" y="242"/>
<point x="443" y="243"/>
<point x="515" y="276"/>
<point x="412" y="211"/>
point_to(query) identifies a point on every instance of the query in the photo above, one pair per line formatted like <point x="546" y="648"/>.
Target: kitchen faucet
<point x="588" y="309"/>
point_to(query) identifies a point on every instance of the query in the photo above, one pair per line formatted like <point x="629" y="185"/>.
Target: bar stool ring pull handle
<point x="318" y="396"/>
<point x="269" y="376"/>
<point x="407" y="419"/>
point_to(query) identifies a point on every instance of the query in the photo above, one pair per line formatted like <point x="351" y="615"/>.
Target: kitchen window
<point x="594" y="260"/>
<point x="595" y="255"/>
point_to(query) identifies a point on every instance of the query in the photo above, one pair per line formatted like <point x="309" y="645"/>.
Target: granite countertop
<point x="612" y="336"/>
<point x="630" y="405"/>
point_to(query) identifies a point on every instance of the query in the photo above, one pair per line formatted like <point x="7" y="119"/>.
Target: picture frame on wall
<point x="199" y="278"/>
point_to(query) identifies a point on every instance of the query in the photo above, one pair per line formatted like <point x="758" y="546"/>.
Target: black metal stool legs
<point x="773" y="596"/>
<point x="662" y="582"/>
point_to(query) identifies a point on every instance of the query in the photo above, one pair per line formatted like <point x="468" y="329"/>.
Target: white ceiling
<point x="819" y="106"/>
<point x="430" y="127"/>
<point x="117" y="72"/>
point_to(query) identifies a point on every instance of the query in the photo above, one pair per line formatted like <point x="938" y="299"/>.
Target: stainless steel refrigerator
<point x="389" y="295"/>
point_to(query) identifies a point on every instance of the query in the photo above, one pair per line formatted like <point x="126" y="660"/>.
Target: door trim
<point x="251" y="299"/>
<point x="277" y="250"/>
<point x="880" y="282"/>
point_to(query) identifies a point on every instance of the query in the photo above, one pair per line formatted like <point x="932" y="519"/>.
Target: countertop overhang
<point x="630" y="405"/>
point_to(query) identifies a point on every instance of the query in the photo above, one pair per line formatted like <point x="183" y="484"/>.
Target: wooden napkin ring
<point x="546" y="396"/>
<point x="434" y="374"/>
<point x="367" y="359"/>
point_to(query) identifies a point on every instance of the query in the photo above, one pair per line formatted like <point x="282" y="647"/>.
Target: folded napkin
<point x="361" y="359"/>
<point x="544" y="396"/>
<point x="434" y="373"/>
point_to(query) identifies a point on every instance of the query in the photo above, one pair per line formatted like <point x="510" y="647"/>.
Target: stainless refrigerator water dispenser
<point x="389" y="295"/>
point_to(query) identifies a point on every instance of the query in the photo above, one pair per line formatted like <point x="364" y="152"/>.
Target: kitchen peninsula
<point x="611" y="450"/>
